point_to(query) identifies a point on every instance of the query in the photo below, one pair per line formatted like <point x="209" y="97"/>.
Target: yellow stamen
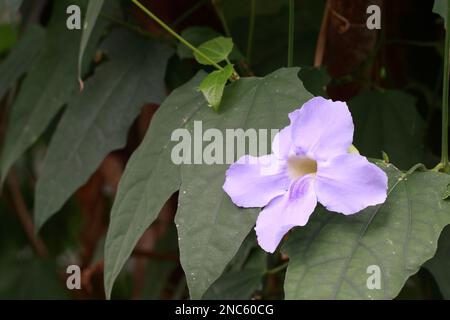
<point x="300" y="166"/>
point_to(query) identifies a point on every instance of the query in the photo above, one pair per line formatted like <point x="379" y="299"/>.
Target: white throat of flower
<point x="301" y="166"/>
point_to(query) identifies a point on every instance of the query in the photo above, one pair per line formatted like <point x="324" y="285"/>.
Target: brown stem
<point x="322" y="40"/>
<point x="24" y="216"/>
<point x="155" y="255"/>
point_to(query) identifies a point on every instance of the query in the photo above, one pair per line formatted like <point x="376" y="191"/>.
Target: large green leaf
<point x="158" y="271"/>
<point x="329" y="258"/>
<point x="211" y="228"/>
<point x="92" y="12"/>
<point x="48" y="86"/>
<point x="21" y="57"/>
<point x="243" y="275"/>
<point x="388" y="121"/>
<point x="439" y="266"/>
<point x="96" y="122"/>
<point x="30" y="278"/>
<point x="150" y="178"/>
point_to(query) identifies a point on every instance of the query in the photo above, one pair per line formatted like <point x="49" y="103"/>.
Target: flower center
<point x="300" y="166"/>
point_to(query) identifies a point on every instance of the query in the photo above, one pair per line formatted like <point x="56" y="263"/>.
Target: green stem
<point x="291" y="34"/>
<point x="444" y="156"/>
<point x="176" y="35"/>
<point x="218" y="8"/>
<point x="277" y="269"/>
<point x="189" y="12"/>
<point x="126" y="25"/>
<point x="251" y="29"/>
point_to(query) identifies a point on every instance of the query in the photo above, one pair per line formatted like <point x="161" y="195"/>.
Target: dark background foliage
<point x="391" y="78"/>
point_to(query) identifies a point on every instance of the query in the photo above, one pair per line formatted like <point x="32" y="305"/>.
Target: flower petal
<point x="282" y="143"/>
<point x="349" y="183"/>
<point x="254" y="181"/>
<point x="322" y="129"/>
<point x="285" y="212"/>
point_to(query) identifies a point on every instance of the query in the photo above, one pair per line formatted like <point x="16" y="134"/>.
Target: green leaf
<point x="21" y="57"/>
<point x="213" y="85"/>
<point x="329" y="258"/>
<point x="388" y="121"/>
<point x="29" y="279"/>
<point x="8" y="37"/>
<point x="47" y="87"/>
<point x="92" y="13"/>
<point x="440" y="7"/>
<point x="315" y="80"/>
<point x="439" y="265"/>
<point x="195" y="36"/>
<point x="150" y="178"/>
<point x="217" y="50"/>
<point x="243" y="275"/>
<point x="97" y="120"/>
<point x="198" y="35"/>
<point x="158" y="271"/>
<point x="210" y="227"/>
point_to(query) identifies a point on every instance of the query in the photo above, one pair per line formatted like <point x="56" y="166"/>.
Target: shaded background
<point x="391" y="77"/>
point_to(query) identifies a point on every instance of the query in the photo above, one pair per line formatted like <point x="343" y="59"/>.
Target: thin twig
<point x="24" y="216"/>
<point x="155" y="255"/>
<point x="218" y="8"/>
<point x="322" y="40"/>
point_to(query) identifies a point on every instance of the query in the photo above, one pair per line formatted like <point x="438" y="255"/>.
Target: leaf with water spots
<point x="330" y="257"/>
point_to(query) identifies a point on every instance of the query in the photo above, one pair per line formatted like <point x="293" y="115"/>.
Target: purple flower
<point x="310" y="163"/>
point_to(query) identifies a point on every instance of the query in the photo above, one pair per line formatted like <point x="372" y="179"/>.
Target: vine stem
<point x="173" y="33"/>
<point x="251" y="29"/>
<point x="291" y="34"/>
<point x="444" y="156"/>
<point x="277" y="269"/>
<point x="218" y="8"/>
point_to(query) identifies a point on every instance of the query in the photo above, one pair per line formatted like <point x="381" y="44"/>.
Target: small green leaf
<point x="195" y="36"/>
<point x="330" y="257"/>
<point x="217" y="50"/>
<point x="385" y="157"/>
<point x="213" y="85"/>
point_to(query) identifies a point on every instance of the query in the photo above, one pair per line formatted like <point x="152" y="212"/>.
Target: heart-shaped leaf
<point x="341" y="257"/>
